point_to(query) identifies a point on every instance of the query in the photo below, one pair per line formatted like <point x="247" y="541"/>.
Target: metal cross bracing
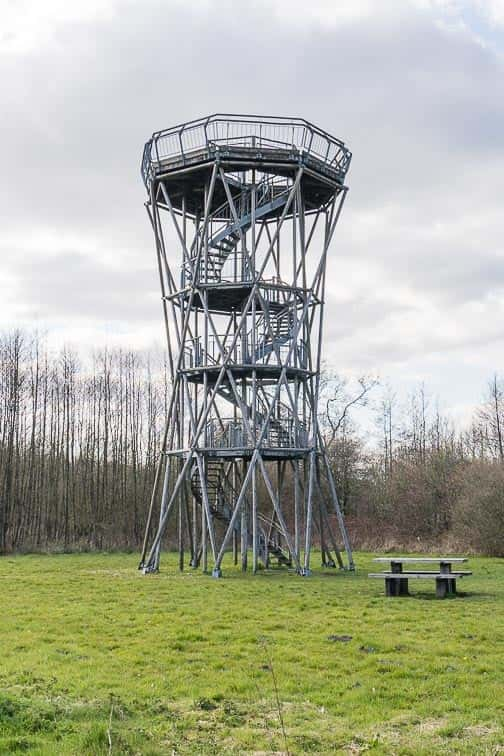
<point x="252" y="204"/>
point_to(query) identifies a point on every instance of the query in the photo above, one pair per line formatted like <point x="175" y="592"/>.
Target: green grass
<point x="179" y="662"/>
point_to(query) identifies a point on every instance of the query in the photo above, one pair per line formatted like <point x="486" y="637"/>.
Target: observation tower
<point x="252" y="204"/>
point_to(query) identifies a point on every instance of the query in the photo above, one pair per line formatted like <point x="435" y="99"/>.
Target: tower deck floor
<point x="267" y="453"/>
<point x="225" y="296"/>
<point x="188" y="173"/>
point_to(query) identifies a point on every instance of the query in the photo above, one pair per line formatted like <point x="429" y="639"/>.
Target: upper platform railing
<point x="181" y="143"/>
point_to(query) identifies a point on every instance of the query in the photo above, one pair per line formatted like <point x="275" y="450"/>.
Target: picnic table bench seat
<point x="421" y="574"/>
<point x="396" y="580"/>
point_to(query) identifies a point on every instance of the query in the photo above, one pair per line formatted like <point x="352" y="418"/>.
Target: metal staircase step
<point x="223" y="512"/>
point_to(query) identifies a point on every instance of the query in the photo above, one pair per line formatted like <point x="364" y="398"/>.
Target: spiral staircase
<point x="221" y="493"/>
<point x="228" y="230"/>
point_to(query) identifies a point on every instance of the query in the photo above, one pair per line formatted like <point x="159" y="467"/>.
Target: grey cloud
<point x="81" y="111"/>
<point x="70" y="284"/>
<point x="356" y="313"/>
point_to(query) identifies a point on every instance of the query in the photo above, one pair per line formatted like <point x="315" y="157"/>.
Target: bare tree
<point x="491" y="418"/>
<point x="79" y="442"/>
<point x="341" y="397"/>
<point x="386" y="424"/>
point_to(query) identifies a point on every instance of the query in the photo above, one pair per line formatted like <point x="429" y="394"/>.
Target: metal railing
<point x="233" y="434"/>
<point x="272" y="192"/>
<point x="195" y="355"/>
<point x="235" y="269"/>
<point x="221" y="131"/>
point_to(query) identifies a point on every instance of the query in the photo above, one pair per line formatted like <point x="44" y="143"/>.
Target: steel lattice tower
<point x="253" y="203"/>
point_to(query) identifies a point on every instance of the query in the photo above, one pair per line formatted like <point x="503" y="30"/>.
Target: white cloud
<point x="28" y="25"/>
<point x="327" y="11"/>
<point x="493" y="10"/>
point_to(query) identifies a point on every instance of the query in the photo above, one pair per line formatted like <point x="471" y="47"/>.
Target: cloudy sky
<point x="414" y="87"/>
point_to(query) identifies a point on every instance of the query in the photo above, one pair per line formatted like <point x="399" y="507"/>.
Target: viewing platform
<point x="185" y="152"/>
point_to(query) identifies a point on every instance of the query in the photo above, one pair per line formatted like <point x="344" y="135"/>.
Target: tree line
<point x="78" y="445"/>
<point x="425" y="484"/>
<point x="79" y="442"/>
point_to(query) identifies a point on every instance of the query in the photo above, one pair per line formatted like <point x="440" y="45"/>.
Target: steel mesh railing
<point x="230" y="433"/>
<point x="220" y="131"/>
<point x="258" y="351"/>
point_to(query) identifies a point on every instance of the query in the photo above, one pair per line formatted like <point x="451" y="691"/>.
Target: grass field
<point x="97" y="658"/>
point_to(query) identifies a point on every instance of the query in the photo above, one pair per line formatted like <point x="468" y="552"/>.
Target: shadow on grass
<point x="431" y="596"/>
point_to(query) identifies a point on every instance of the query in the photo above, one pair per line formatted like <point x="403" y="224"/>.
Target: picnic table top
<point x="430" y="560"/>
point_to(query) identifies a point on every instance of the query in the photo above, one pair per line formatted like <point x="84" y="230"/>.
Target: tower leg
<point x="297" y="513"/>
<point x="254" y="522"/>
<point x="309" y="516"/>
<point x="154" y="565"/>
<point x="235" y="548"/>
<point x="339" y="515"/>
<point x="244" y="523"/>
<point x="181" y="535"/>
<point x="244" y="536"/>
<point x="194" y="518"/>
<point x="204" y="553"/>
<point x="325" y="521"/>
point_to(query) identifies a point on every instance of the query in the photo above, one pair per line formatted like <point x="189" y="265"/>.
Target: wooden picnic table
<point x="396" y="580"/>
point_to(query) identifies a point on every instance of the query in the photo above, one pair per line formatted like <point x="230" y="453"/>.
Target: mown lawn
<point x="92" y="653"/>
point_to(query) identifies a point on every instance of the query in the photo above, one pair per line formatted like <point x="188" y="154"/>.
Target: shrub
<point x="479" y="509"/>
